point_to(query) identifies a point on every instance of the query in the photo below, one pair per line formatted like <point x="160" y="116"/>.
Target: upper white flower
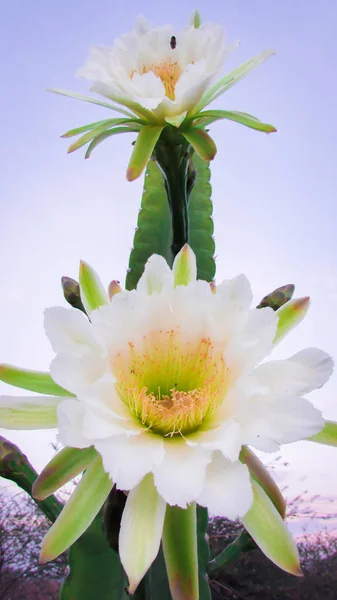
<point x="164" y="71"/>
<point x="167" y="381"/>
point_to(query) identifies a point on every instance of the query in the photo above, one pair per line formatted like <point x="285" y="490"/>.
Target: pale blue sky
<point x="274" y="196"/>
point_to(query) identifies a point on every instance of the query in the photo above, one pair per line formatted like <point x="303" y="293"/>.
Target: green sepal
<point x="195" y="19"/>
<point x="28" y="412"/>
<point x="34" y="381"/>
<point x="105" y="135"/>
<point x="267" y="528"/>
<point x="93" y="294"/>
<point x="278" y="297"/>
<point x="79" y="512"/>
<point x="327" y="436"/>
<point x="142" y="152"/>
<point x="95" y="125"/>
<point x="92" y="101"/>
<point x="202" y="143"/>
<point x="181" y="552"/>
<point x="184" y="267"/>
<point x="232" y="78"/>
<point x="94" y="133"/>
<point x="259" y="472"/>
<point x="237" y="117"/>
<point x="290" y="315"/>
<point x="64" y="466"/>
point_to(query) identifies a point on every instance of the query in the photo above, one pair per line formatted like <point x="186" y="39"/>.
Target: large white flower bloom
<point x="164" y="71"/>
<point x="157" y="77"/>
<point x="165" y="389"/>
<point x="167" y="382"/>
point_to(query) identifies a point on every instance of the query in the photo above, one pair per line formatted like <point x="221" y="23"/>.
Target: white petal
<point x="76" y="373"/>
<point x="103" y="397"/>
<point x="236" y="292"/>
<point x="128" y="459"/>
<point x="179" y="478"/>
<point x="227" y="437"/>
<point x="157" y="276"/>
<point x="227" y="491"/>
<point x="192" y="85"/>
<point x="319" y="366"/>
<point x="68" y="330"/>
<point x="256" y="342"/>
<point x="275" y="420"/>
<point x="28" y="412"/>
<point x="149" y="89"/>
<point x="300" y="374"/>
<point x="141" y="530"/>
<point x="70" y="423"/>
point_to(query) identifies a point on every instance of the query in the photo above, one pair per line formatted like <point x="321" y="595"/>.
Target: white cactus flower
<point x="168" y="388"/>
<point x="163" y="71"/>
<point x="160" y="77"/>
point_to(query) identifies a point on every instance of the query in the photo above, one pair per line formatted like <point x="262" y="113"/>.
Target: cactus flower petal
<point x="141" y="530"/>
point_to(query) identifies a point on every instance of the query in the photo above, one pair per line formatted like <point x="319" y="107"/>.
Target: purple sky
<point x="274" y="196"/>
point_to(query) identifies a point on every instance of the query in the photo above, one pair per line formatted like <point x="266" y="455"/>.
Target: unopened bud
<point x="114" y="288"/>
<point x="71" y="291"/>
<point x="278" y="297"/>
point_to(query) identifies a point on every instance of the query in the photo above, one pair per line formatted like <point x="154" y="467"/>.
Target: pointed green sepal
<point x="94" y="133"/>
<point x="34" y="381"/>
<point x="79" y="512"/>
<point x="267" y="528"/>
<point x="290" y="315"/>
<point x="84" y="128"/>
<point x="327" y="436"/>
<point x="67" y="464"/>
<point x="72" y="292"/>
<point x="142" y="152"/>
<point x="259" y="472"/>
<point x="28" y="412"/>
<point x="201" y="142"/>
<point x="92" y="101"/>
<point x="93" y="294"/>
<point x="195" y="20"/>
<point x="181" y="552"/>
<point x="105" y="135"/>
<point x="278" y="297"/>
<point x="105" y="124"/>
<point x="237" y="117"/>
<point x="184" y="266"/>
<point x="141" y="530"/>
<point x="232" y="78"/>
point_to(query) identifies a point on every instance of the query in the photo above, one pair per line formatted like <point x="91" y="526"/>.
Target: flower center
<point x="169" y="72"/>
<point x="168" y="384"/>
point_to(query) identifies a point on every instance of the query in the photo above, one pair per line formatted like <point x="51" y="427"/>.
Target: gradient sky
<point x="274" y="196"/>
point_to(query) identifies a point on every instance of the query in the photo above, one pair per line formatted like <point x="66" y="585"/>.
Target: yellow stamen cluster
<point x="170" y="384"/>
<point x="169" y="72"/>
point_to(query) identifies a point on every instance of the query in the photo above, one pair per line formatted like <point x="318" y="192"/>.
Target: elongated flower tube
<point x="159" y="77"/>
<point x="167" y="387"/>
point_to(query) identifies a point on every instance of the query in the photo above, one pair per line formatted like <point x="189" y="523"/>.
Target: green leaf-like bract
<point x="154" y="229"/>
